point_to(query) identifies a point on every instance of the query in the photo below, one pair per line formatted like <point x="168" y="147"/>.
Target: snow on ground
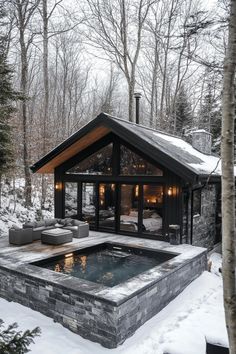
<point x="182" y="327"/>
<point x="12" y="210"/>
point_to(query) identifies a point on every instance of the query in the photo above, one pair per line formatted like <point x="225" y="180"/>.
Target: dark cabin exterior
<point x="126" y="178"/>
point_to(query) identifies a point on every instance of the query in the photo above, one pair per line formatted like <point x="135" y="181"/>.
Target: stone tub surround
<point x="101" y="314"/>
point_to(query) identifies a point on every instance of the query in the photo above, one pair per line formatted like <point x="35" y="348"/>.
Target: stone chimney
<point x="202" y="141"/>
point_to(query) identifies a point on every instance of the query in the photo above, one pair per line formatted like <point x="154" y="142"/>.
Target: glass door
<point x="107" y="203"/>
<point x="71" y="197"/>
<point x="152" y="213"/>
<point x="129" y="207"/>
<point x="89" y="203"/>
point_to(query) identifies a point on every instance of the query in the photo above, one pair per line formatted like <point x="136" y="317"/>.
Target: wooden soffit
<point x="81" y="144"/>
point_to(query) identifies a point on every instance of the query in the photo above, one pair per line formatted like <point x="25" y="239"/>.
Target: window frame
<point x="88" y="157"/>
<point x="117" y="179"/>
<point x="117" y="142"/>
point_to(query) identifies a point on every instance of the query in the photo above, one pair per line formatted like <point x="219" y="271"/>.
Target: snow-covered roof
<point x="168" y="150"/>
<point x="176" y="147"/>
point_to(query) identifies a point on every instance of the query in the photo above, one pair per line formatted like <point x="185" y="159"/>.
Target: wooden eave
<point x="48" y="163"/>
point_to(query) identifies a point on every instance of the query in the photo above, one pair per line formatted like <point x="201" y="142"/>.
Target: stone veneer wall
<point x="97" y="319"/>
<point x="204" y="225"/>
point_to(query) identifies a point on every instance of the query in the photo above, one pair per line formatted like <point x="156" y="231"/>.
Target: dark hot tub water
<point x="108" y="264"/>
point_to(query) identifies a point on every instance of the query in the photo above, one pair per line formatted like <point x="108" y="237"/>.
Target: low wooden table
<point x="56" y="236"/>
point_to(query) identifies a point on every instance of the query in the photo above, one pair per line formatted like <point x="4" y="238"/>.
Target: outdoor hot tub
<point x="103" y="287"/>
<point x="108" y="263"/>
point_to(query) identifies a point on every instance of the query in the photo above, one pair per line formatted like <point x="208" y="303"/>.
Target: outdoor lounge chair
<point x="20" y="236"/>
<point x="79" y="228"/>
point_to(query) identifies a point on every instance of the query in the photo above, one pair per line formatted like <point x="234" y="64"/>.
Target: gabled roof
<point x="168" y="150"/>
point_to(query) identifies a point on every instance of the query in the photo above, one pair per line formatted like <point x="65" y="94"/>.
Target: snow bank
<point x="182" y="327"/>
<point x="12" y="210"/>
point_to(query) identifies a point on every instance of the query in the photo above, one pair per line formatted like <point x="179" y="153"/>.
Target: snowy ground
<point x="182" y="327"/>
<point x="12" y="210"/>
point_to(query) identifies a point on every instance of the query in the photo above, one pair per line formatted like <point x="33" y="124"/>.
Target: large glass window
<point x="89" y="203"/>
<point x="129" y="207"/>
<point x="107" y="206"/>
<point x="152" y="221"/>
<point x="71" y="195"/>
<point x="133" y="164"/>
<point x="99" y="163"/>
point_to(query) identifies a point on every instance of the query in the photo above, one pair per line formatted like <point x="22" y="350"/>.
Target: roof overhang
<point x="97" y="129"/>
<point x="60" y="154"/>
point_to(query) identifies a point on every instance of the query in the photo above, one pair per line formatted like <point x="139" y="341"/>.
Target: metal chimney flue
<point x="137" y="96"/>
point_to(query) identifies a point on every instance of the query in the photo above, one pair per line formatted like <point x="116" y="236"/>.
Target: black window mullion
<point x="79" y="200"/>
<point x="165" y="210"/>
<point x="140" y="209"/>
<point x="97" y="206"/>
<point x="117" y="211"/>
<point x="116" y="158"/>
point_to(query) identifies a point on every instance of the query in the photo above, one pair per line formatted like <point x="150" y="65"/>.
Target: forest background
<point x="71" y="59"/>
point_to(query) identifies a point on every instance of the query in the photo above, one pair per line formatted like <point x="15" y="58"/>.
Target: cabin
<point x="128" y="179"/>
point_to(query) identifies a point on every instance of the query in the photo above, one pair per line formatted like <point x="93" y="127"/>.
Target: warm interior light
<point x="102" y="189"/>
<point x="136" y="190"/>
<point x="68" y="255"/>
<point x="170" y="191"/>
<point x="58" y="186"/>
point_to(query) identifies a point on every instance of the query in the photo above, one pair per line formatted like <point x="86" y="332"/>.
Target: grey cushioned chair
<point x="80" y="229"/>
<point x="20" y="236"/>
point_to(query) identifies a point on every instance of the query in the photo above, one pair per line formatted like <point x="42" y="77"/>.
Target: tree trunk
<point x="24" y="78"/>
<point x="131" y="101"/>
<point x="0" y="191"/>
<point x="46" y="92"/>
<point x="228" y="183"/>
<point x="165" y="67"/>
<point x="154" y="85"/>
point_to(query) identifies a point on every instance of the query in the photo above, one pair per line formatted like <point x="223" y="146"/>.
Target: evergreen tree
<point x="183" y="112"/>
<point x="210" y="114"/>
<point x="16" y="342"/>
<point x="7" y="96"/>
<point x="6" y="109"/>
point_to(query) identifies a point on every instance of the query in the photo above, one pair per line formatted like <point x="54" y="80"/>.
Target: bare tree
<point x="228" y="182"/>
<point x="117" y="28"/>
<point x="46" y="15"/>
<point x="24" y="11"/>
<point x="171" y="18"/>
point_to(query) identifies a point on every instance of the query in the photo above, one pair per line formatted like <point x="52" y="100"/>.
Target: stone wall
<point x="204" y="224"/>
<point x="94" y="318"/>
<point x="202" y="141"/>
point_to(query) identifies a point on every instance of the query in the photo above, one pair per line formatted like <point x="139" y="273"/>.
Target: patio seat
<point x="20" y="236"/>
<point x="56" y="236"/>
<point x="80" y="229"/>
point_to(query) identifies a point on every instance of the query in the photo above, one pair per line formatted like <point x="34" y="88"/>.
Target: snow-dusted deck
<point x="37" y="250"/>
<point x="106" y="315"/>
